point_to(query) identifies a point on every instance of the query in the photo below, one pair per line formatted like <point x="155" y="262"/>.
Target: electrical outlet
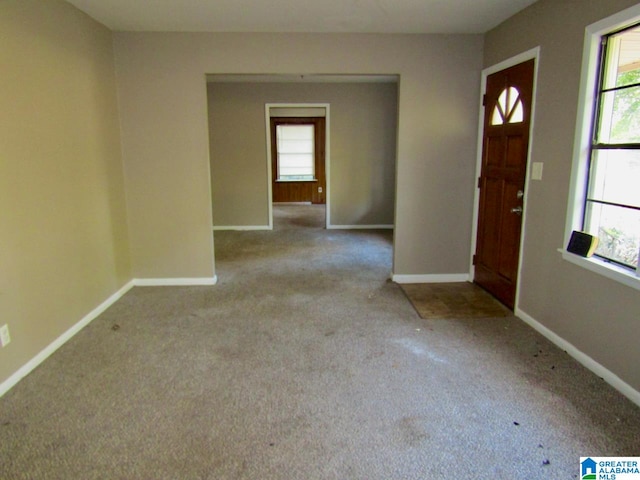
<point x="5" y="338"/>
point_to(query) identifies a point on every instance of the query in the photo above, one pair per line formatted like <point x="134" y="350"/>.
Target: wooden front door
<point x="310" y="186"/>
<point x="507" y="118"/>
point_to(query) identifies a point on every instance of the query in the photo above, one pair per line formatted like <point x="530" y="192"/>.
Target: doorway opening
<point x="360" y="114"/>
<point x="298" y="157"/>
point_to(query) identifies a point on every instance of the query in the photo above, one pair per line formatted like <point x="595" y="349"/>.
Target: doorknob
<point x="517" y="210"/>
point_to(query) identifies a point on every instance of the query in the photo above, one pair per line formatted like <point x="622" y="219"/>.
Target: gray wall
<point x="363" y="130"/>
<point x="598" y="316"/>
<point x="163" y="110"/>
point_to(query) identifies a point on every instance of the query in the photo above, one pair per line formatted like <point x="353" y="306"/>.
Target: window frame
<point x="295" y="123"/>
<point x="275" y="122"/>
<point x="589" y="91"/>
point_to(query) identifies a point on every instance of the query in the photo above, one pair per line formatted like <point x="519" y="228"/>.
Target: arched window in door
<point x="509" y="108"/>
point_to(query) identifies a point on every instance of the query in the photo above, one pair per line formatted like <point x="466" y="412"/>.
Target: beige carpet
<point x="453" y="300"/>
<point x="306" y="363"/>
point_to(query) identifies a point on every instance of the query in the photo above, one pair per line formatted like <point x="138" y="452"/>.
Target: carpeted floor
<point x="306" y="362"/>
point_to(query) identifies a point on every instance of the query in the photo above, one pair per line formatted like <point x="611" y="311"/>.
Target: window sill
<point x="297" y="181"/>
<point x="609" y="270"/>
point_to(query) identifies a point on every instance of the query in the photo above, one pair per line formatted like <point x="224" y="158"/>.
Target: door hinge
<point x="484" y="100"/>
<point x="473" y="261"/>
<point x="479" y="182"/>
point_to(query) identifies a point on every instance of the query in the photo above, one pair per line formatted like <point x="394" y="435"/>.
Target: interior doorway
<point x="305" y="180"/>
<point x="508" y="102"/>
<point x="360" y="146"/>
<point x="359" y="191"/>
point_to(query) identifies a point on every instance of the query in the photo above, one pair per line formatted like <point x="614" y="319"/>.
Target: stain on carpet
<point x="453" y="300"/>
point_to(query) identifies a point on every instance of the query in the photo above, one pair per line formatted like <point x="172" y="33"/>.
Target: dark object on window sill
<point x="582" y="244"/>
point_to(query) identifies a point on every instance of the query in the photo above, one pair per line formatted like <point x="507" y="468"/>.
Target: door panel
<point x="508" y="102"/>
<point x="494" y="146"/>
<point x="515" y="152"/>
<point x="490" y="239"/>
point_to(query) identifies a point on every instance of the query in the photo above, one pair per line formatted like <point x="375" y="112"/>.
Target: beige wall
<point x="63" y="232"/>
<point x="363" y="149"/>
<point x="162" y="89"/>
<point x="598" y="316"/>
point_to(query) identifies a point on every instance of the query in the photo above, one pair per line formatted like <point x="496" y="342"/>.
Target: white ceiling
<point x="358" y="16"/>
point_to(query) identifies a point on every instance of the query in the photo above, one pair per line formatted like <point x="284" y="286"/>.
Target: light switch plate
<point x="536" y="170"/>
<point x="5" y="338"/>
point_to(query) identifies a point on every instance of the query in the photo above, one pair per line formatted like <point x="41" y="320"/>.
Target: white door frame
<point x="327" y="156"/>
<point x="534" y="53"/>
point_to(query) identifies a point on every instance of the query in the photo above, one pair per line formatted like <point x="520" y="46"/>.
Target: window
<point x="612" y="204"/>
<point x="296" y="152"/>
<point x="509" y="108"/>
<point x="605" y="198"/>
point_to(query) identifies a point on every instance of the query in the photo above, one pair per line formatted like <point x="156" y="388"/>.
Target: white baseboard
<point x="437" y="278"/>
<point x="360" y="227"/>
<point x="601" y="371"/>
<point x="61" y="340"/>
<point x="174" y="282"/>
<point x="241" y="228"/>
